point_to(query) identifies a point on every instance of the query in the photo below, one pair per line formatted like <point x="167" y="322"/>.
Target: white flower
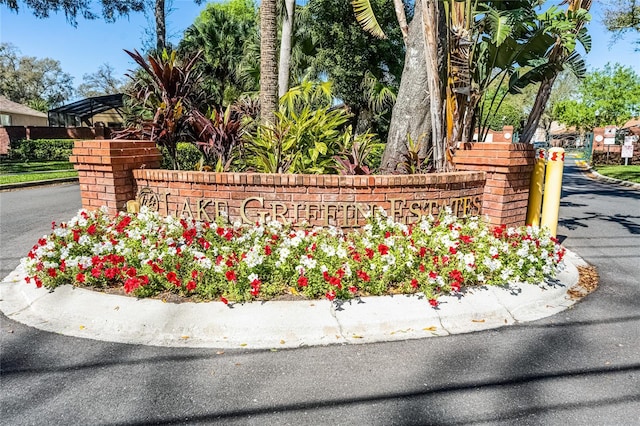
<point x="341" y="252"/>
<point x="252" y="277"/>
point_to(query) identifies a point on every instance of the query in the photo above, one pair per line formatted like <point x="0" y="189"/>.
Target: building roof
<point x="634" y="122"/>
<point x="10" y="107"/>
<point x="87" y="108"/>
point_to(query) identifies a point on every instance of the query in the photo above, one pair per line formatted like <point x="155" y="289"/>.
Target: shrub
<point x="188" y="155"/>
<point x="41" y="149"/>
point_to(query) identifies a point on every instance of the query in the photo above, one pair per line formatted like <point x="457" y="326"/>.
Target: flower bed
<point x="148" y="254"/>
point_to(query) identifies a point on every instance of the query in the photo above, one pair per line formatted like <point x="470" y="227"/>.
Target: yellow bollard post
<point x="552" y="190"/>
<point x="535" y="190"/>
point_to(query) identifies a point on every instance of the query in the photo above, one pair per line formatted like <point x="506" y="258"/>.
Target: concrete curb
<point x="280" y="324"/>
<point x="590" y="172"/>
<point x="21" y="185"/>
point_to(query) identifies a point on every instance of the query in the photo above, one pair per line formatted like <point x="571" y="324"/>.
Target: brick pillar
<point x="508" y="167"/>
<point x="105" y="169"/>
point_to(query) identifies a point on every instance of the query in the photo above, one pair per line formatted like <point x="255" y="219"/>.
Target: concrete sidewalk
<point x="278" y="324"/>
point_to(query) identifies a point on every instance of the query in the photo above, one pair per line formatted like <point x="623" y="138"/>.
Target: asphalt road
<point x="578" y="367"/>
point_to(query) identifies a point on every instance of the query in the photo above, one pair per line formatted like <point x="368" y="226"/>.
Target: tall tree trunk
<point x="544" y="91"/>
<point x="430" y="21"/>
<point x="398" y="6"/>
<point x="161" y="26"/>
<point x="411" y="112"/>
<point x="285" y="47"/>
<point x="268" y="64"/>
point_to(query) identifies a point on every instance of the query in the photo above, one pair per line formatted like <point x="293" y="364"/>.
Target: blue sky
<point x="83" y="49"/>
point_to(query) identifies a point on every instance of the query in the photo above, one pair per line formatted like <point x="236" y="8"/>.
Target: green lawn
<point x="628" y="173"/>
<point x="9" y="167"/>
<point x="30" y="177"/>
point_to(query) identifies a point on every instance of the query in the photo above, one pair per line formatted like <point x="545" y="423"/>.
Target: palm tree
<point x="561" y="54"/>
<point x="268" y="64"/>
<point x="286" y="46"/>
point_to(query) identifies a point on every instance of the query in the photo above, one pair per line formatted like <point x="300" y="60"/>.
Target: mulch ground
<point x="587" y="282"/>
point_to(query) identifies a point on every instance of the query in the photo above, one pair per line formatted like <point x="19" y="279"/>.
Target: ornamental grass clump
<point x="146" y="255"/>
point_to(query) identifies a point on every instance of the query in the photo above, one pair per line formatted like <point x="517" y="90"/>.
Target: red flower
<point x="173" y="278"/>
<point x="383" y="249"/>
<point x="421" y="268"/>
<point x="433" y="302"/>
<point x="353" y="289"/>
<point x="422" y="252"/>
<point x="267" y="250"/>
<point x="91" y="230"/>
<point x="194" y="274"/>
<point x="191" y="285"/>
<point x="453" y="250"/>
<point x="331" y="295"/>
<point x="326" y="276"/>
<point x="96" y="272"/>
<point x="52" y="272"/>
<point x="340" y="273"/>
<point x="455" y="286"/>
<point x="356" y="256"/>
<point x="131" y="284"/>
<point x="433" y="275"/>
<point x="231" y="275"/>
<point x="38" y="281"/>
<point x="466" y="239"/>
<point x="303" y="281"/>
<point x="456" y="275"/>
<point x="369" y="253"/>
<point x="76" y="234"/>
<point x="363" y="276"/>
<point x="220" y="231"/>
<point x="336" y="282"/>
<point x="387" y="234"/>
<point x="414" y="283"/>
<point x="111" y="273"/>
<point x="224" y="300"/>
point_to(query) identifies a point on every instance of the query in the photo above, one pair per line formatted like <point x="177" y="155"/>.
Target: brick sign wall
<point x="320" y="200"/>
<point x="493" y="181"/>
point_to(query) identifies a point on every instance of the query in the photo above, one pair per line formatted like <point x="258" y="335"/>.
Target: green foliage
<point x="606" y="96"/>
<point x="365" y="71"/>
<point x="357" y="157"/>
<point x="41" y="150"/>
<point x="111" y="9"/>
<point x="415" y="159"/>
<point x="189" y="157"/>
<point x="224" y="32"/>
<point x="622" y="16"/>
<point x="303" y="139"/>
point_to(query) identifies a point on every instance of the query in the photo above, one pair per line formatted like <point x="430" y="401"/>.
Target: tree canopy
<point x="622" y="16"/>
<point x="27" y="80"/>
<point x="110" y="9"/>
<point x="610" y="95"/>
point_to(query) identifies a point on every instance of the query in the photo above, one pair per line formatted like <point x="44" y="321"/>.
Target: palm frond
<point x="366" y="18"/>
